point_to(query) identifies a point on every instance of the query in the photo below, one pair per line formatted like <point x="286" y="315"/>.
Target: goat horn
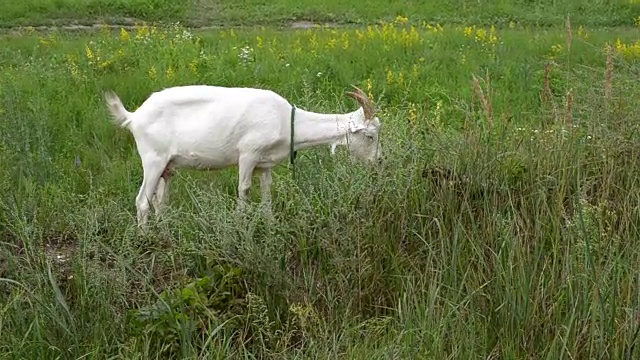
<point x="364" y="101"/>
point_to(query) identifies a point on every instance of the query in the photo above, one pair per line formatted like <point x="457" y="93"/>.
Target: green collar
<point x="292" y="151"/>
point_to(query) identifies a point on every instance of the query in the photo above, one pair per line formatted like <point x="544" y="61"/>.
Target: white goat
<point x="213" y="127"/>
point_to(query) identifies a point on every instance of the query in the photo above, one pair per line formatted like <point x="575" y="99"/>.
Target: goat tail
<point x="119" y="114"/>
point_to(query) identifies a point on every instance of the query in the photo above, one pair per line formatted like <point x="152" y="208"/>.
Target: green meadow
<point x="279" y="12"/>
<point x="503" y="223"/>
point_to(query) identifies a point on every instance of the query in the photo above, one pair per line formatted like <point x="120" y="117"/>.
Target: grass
<point x="277" y="12"/>
<point x="503" y="224"/>
<point x="47" y="12"/>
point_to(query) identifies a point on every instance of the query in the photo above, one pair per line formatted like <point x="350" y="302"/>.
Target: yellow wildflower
<point x="89" y="52"/>
<point x="152" y="72"/>
<point x="493" y="38"/>
<point x="313" y="42"/>
<point x="369" y="87"/>
<point x="193" y="66"/>
<point x="170" y="72"/>
<point x="401" y="20"/>
<point x="305" y="314"/>
<point x="259" y="41"/>
<point x="370" y="33"/>
<point x="104" y="64"/>
<point x="634" y="50"/>
<point x="481" y="35"/>
<point x="389" y="76"/>
<point x="104" y="28"/>
<point x="388" y="32"/>
<point x="433" y="29"/>
<point x="73" y="68"/>
<point x="555" y="51"/>
<point x="297" y="46"/>
<point x="414" y="71"/>
<point x="124" y="34"/>
<point x="437" y="114"/>
<point x="468" y="30"/>
<point x="629" y="51"/>
<point x="410" y="38"/>
<point x="619" y="45"/>
<point x="142" y="32"/>
<point x="345" y="40"/>
<point x="413" y="114"/>
<point x="582" y="32"/>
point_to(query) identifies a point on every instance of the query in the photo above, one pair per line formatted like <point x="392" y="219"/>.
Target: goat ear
<point x="355" y="127"/>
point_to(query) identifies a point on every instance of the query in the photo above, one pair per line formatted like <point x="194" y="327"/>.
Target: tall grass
<point x="501" y="225"/>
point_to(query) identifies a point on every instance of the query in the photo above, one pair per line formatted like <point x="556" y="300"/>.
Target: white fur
<point x="212" y="127"/>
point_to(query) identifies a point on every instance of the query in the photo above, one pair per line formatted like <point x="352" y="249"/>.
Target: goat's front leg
<point x="265" y="190"/>
<point x="246" y="165"/>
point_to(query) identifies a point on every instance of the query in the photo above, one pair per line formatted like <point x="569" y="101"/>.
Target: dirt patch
<point x="303" y="24"/>
<point x="134" y="24"/>
<point x="59" y="249"/>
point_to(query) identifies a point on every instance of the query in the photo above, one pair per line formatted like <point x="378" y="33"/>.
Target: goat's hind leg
<point x="162" y="192"/>
<point x="265" y="190"/>
<point x="152" y="171"/>
<point x="246" y="165"/>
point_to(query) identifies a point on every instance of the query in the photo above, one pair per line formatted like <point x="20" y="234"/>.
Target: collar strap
<point x="292" y="152"/>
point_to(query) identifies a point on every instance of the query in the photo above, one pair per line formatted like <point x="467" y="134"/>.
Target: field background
<point x="504" y="223"/>
<point x="282" y="12"/>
